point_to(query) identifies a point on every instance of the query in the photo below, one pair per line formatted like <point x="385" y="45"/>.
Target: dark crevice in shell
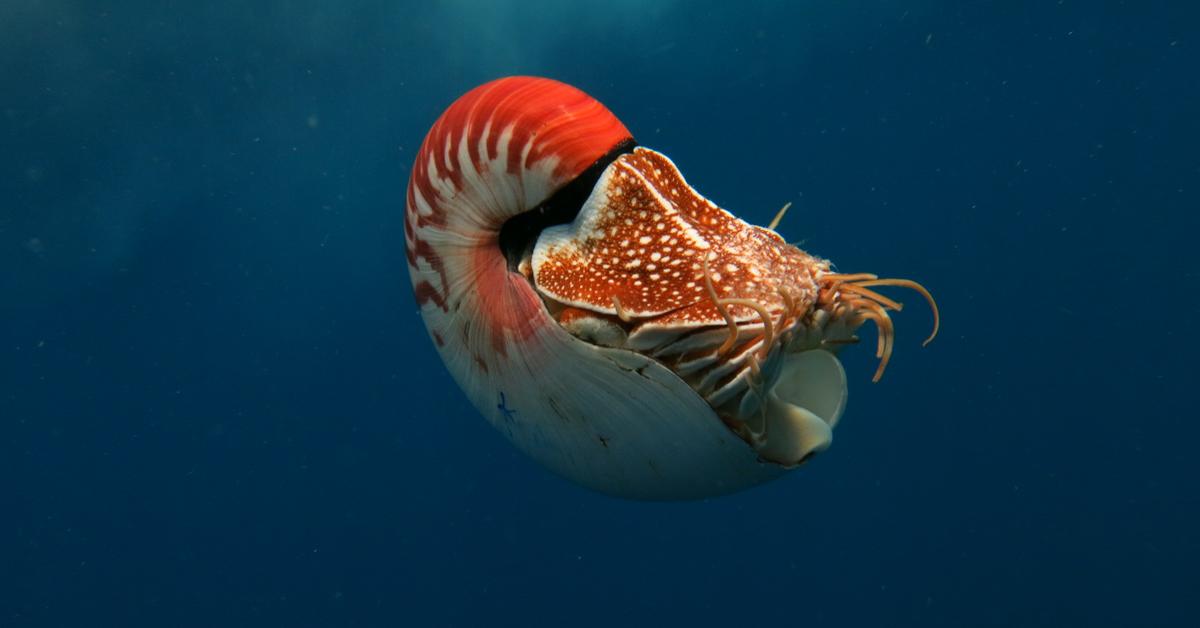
<point x="519" y="234"/>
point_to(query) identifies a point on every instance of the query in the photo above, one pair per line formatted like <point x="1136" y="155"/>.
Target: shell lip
<point x="519" y="233"/>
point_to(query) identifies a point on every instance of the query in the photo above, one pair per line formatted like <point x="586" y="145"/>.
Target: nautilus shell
<point x="608" y="319"/>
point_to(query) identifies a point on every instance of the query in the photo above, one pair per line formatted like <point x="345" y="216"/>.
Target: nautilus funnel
<point x="607" y="318"/>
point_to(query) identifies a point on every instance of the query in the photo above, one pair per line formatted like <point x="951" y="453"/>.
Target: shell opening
<point x="749" y="322"/>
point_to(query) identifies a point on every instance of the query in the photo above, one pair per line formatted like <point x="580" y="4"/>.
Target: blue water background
<point x="218" y="406"/>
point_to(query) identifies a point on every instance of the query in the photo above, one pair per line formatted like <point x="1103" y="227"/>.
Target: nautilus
<point x="608" y="319"/>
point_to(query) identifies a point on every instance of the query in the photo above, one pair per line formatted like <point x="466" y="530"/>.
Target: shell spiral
<point x="497" y="152"/>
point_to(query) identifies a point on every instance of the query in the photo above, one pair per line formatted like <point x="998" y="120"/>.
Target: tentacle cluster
<point x="845" y="297"/>
<point x="850" y="295"/>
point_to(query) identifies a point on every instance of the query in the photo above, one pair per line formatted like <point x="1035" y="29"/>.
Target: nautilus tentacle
<point x="607" y="318"/>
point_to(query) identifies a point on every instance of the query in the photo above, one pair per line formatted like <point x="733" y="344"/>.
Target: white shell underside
<point x="610" y="419"/>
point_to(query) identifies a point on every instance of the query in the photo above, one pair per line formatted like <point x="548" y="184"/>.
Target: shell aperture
<point x="650" y="265"/>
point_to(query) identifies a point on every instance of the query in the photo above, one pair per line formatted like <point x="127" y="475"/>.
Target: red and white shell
<point x="655" y="346"/>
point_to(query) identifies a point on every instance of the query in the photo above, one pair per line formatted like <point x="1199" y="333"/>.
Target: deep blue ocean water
<point x="219" y="407"/>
